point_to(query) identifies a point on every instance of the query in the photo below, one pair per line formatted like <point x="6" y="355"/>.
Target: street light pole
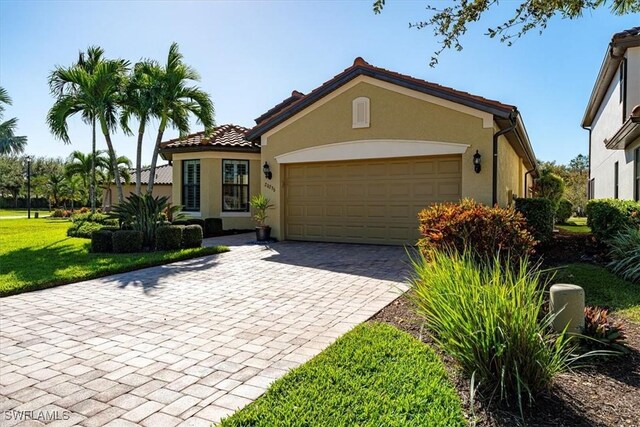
<point x="28" y="187"/>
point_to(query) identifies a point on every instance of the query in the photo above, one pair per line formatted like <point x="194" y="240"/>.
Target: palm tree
<point x="96" y="95"/>
<point x="176" y="101"/>
<point x="58" y="85"/>
<point x="55" y="187"/>
<point x="108" y="175"/>
<point x="10" y="143"/>
<point x="84" y="166"/>
<point x="140" y="101"/>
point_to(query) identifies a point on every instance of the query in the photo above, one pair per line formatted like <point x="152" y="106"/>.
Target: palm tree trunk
<point x="92" y="183"/>
<point x="154" y="158"/>
<point x="113" y="160"/>
<point x="139" y="158"/>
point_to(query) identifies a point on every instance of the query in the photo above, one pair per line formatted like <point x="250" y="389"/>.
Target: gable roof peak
<point x="360" y="61"/>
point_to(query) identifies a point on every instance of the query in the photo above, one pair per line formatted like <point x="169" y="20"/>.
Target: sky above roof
<point x="251" y="55"/>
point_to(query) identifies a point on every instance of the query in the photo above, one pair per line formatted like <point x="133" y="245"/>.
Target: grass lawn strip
<point x="36" y="254"/>
<point x="603" y="288"/>
<point x="575" y="225"/>
<point x="375" y="375"/>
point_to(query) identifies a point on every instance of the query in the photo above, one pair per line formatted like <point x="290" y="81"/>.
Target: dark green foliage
<point x="180" y="222"/>
<point x="169" y="237"/>
<point x="625" y="254"/>
<point x="196" y="221"/>
<point x="127" y="241"/>
<point x="95" y="217"/>
<point x="604" y="333"/>
<point x="549" y="186"/>
<point x="192" y="236"/>
<point x="102" y="241"/>
<point x="142" y="213"/>
<point x="212" y="227"/>
<point x="607" y="217"/>
<point x="83" y="229"/>
<point x="110" y="228"/>
<point x="375" y="375"/>
<point x="564" y="211"/>
<point x="539" y="213"/>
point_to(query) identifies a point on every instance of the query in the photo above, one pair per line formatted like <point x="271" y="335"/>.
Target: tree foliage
<point x="450" y="23"/>
<point x="10" y="143"/>
<point x="575" y="175"/>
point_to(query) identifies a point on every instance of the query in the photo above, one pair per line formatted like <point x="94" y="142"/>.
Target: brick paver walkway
<point x="186" y="343"/>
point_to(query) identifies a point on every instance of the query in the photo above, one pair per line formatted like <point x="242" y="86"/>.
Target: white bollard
<point x="567" y="302"/>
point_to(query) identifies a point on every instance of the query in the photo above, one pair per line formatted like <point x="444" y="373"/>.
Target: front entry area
<point x="366" y="201"/>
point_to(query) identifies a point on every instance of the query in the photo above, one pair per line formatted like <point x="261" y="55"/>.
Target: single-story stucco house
<point x="356" y="159"/>
<point x="161" y="184"/>
<point x="612" y="118"/>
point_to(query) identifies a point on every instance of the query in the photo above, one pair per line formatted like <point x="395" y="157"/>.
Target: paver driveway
<point x="189" y="342"/>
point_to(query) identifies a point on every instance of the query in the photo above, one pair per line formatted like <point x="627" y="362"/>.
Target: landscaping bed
<point x="37" y="254"/>
<point x="603" y="394"/>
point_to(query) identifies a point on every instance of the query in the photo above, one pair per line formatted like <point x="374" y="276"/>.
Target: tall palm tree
<point x="176" y="101"/>
<point x="83" y="166"/>
<point x="58" y="85"/>
<point x="55" y="187"/>
<point x="140" y="102"/>
<point x="95" y="94"/>
<point x="10" y="143"/>
<point x="108" y="174"/>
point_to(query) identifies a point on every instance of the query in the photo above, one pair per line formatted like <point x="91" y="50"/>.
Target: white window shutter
<point x="361" y="112"/>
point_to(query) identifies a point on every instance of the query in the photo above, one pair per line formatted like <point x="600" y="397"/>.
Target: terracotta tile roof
<point x="362" y="67"/>
<point x="225" y="136"/>
<point x="631" y="32"/>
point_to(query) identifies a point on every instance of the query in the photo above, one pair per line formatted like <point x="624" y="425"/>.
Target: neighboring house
<point x="613" y="120"/>
<point x="161" y="185"/>
<point x="214" y="176"/>
<point x="356" y="159"/>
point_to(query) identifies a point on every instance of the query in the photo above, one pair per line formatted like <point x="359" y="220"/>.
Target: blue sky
<point x="251" y="55"/>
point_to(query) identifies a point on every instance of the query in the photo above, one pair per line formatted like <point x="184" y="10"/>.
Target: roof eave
<point x="627" y="134"/>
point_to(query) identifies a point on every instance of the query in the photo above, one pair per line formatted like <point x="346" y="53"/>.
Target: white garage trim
<point x="371" y="149"/>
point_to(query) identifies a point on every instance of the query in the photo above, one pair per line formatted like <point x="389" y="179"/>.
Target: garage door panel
<point x="373" y="201"/>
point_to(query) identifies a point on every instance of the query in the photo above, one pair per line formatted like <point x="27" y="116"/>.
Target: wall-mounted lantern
<point x="476" y="162"/>
<point x="267" y="170"/>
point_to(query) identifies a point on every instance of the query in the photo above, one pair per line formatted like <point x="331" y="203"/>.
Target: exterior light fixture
<point x="476" y="162"/>
<point x="267" y="170"/>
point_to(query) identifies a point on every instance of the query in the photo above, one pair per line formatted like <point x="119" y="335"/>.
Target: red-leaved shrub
<point x="486" y="231"/>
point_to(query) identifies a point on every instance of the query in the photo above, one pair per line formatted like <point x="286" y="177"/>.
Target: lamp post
<point x="28" y="187"/>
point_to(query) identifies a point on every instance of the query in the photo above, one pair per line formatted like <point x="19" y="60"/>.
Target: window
<point x="636" y="162"/>
<point x="615" y="180"/>
<point x="191" y="185"/>
<point x="361" y="114"/>
<point x="235" y="186"/>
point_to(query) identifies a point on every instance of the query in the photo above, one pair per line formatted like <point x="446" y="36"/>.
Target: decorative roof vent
<point x="361" y="112"/>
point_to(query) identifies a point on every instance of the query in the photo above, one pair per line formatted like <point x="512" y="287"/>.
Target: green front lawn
<point x="575" y="225"/>
<point x="37" y="253"/>
<point x="375" y="375"/>
<point x="603" y="288"/>
<point x="23" y="212"/>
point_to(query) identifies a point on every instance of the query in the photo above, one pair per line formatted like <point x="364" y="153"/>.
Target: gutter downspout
<point x="526" y="188"/>
<point x="588" y="189"/>
<point x="494" y="198"/>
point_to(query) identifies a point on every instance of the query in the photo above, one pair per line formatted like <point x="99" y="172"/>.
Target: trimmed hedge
<point x="180" y="222"/>
<point x="169" y="237"/>
<point x="196" y="221"/>
<point x="102" y="241"/>
<point x="126" y="241"/>
<point x="83" y="229"/>
<point x="539" y="213"/>
<point x="564" y="211"/>
<point x="192" y="236"/>
<point x="212" y="227"/>
<point x="607" y="217"/>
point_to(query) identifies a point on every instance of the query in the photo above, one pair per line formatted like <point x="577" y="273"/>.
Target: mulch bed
<point x="604" y="393"/>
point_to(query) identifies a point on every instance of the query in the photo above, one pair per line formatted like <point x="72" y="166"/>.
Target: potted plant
<point x="260" y="204"/>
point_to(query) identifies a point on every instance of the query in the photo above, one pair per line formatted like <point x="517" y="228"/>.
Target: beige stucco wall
<point x="393" y="116"/>
<point x="211" y="185"/>
<point x="511" y="172"/>
<point x="128" y="189"/>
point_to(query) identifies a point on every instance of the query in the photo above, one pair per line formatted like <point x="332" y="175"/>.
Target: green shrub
<point x="169" y="237"/>
<point x="625" y="254"/>
<point x="102" y="241"/>
<point x="96" y="217"/>
<point x="563" y="211"/>
<point x="58" y="213"/>
<point x="483" y="229"/>
<point x="488" y="318"/>
<point x="549" y="186"/>
<point x="539" y="213"/>
<point x="127" y="241"/>
<point x="192" y="236"/>
<point x="83" y="229"/>
<point x="607" y="217"/>
<point x="180" y="222"/>
<point x="213" y="227"/>
<point x="196" y="221"/>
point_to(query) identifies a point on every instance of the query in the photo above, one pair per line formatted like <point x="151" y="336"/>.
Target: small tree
<point x="550" y="186"/>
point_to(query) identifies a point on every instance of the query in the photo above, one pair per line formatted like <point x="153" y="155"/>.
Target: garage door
<point x="366" y="201"/>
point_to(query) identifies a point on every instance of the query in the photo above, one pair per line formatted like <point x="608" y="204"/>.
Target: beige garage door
<point x="366" y="201"/>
